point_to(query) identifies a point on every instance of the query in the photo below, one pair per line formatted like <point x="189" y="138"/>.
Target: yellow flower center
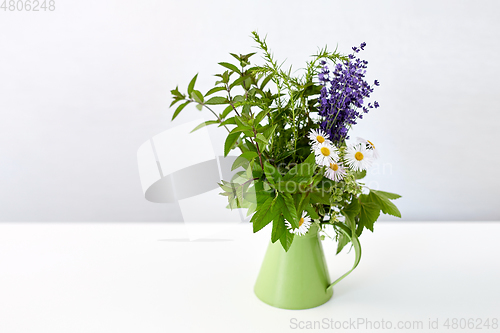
<point x="334" y="166"/>
<point x="320" y="139"/>
<point x="359" y="156"/>
<point x="301" y="221"/>
<point x="371" y="143"/>
<point x="325" y="151"/>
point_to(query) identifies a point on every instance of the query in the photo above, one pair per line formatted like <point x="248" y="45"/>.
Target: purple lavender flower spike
<point x="343" y="92"/>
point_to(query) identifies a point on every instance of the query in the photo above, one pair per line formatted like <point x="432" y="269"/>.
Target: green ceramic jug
<point x="297" y="279"/>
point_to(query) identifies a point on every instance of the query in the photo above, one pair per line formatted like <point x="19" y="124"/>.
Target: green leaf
<point x="369" y="213"/>
<point x="240" y="121"/>
<point x="230" y="142"/>
<point x="266" y="81"/>
<point x="176" y="93"/>
<point x="199" y="106"/>
<point x="264" y="215"/>
<point x="360" y="174"/>
<point x="230" y="66"/>
<point x="388" y="195"/>
<point x="353" y="208"/>
<point x="179" y="109"/>
<point x="305" y="169"/>
<point x="303" y="203"/>
<point x="191" y="84"/>
<point x="272" y="174"/>
<point x="342" y="242"/>
<point x="321" y="197"/>
<point x="205" y="123"/>
<point x="197" y="96"/>
<point x="278" y="220"/>
<point x="261" y="138"/>
<point x="216" y="100"/>
<point x="243" y="159"/>
<point x="175" y="101"/>
<point x="228" y="121"/>
<point x="286" y="240"/>
<point x="240" y="129"/>
<point x="312" y="212"/>
<point x="260" y="116"/>
<point x="289" y="210"/>
<point x="236" y="82"/>
<point x="385" y="204"/>
<point x="287" y="186"/>
<point x="226" y="111"/>
<point x="214" y="90"/>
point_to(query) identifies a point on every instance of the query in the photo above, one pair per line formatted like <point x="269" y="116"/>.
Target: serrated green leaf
<point x="286" y="240"/>
<point x="226" y="111"/>
<point x="205" y="123"/>
<point x="312" y="212"/>
<point x="243" y="159"/>
<point x="321" y="197"/>
<point x="287" y="186"/>
<point x="179" y="109"/>
<point x="238" y="129"/>
<point x="352" y="209"/>
<point x="278" y="228"/>
<point x="305" y="169"/>
<point x="175" y="92"/>
<point x="261" y="116"/>
<point x="272" y="174"/>
<point x="216" y="100"/>
<point x="289" y="210"/>
<point x="191" y="84"/>
<point x="214" y="90"/>
<point x="385" y="204"/>
<point x="197" y="96"/>
<point x="228" y="121"/>
<point x="388" y="195"/>
<point x="261" y="138"/>
<point x="368" y="214"/>
<point x="240" y="121"/>
<point x="264" y="215"/>
<point x="175" y="101"/>
<point x="237" y="82"/>
<point x="230" y="142"/>
<point x="230" y="66"/>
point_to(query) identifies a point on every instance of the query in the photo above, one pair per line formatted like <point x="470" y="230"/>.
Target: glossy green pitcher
<point x="297" y="279"/>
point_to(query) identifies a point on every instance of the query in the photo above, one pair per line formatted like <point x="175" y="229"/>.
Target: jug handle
<point x="351" y="234"/>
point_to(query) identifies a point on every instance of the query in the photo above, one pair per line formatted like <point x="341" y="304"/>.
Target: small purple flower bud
<point x="376" y="83"/>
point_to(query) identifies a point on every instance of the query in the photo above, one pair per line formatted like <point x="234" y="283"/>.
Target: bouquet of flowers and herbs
<point x="298" y="163"/>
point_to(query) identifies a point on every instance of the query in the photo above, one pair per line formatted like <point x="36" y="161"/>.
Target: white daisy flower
<point x="358" y="157"/>
<point x="335" y="172"/>
<point x="326" y="153"/>
<point x="304" y="224"/>
<point x="317" y="137"/>
<point x="370" y="146"/>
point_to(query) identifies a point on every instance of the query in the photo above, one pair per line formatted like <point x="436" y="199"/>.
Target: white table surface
<point x="148" y="277"/>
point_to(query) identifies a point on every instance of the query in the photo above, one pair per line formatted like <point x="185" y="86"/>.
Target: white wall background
<point x="82" y="87"/>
